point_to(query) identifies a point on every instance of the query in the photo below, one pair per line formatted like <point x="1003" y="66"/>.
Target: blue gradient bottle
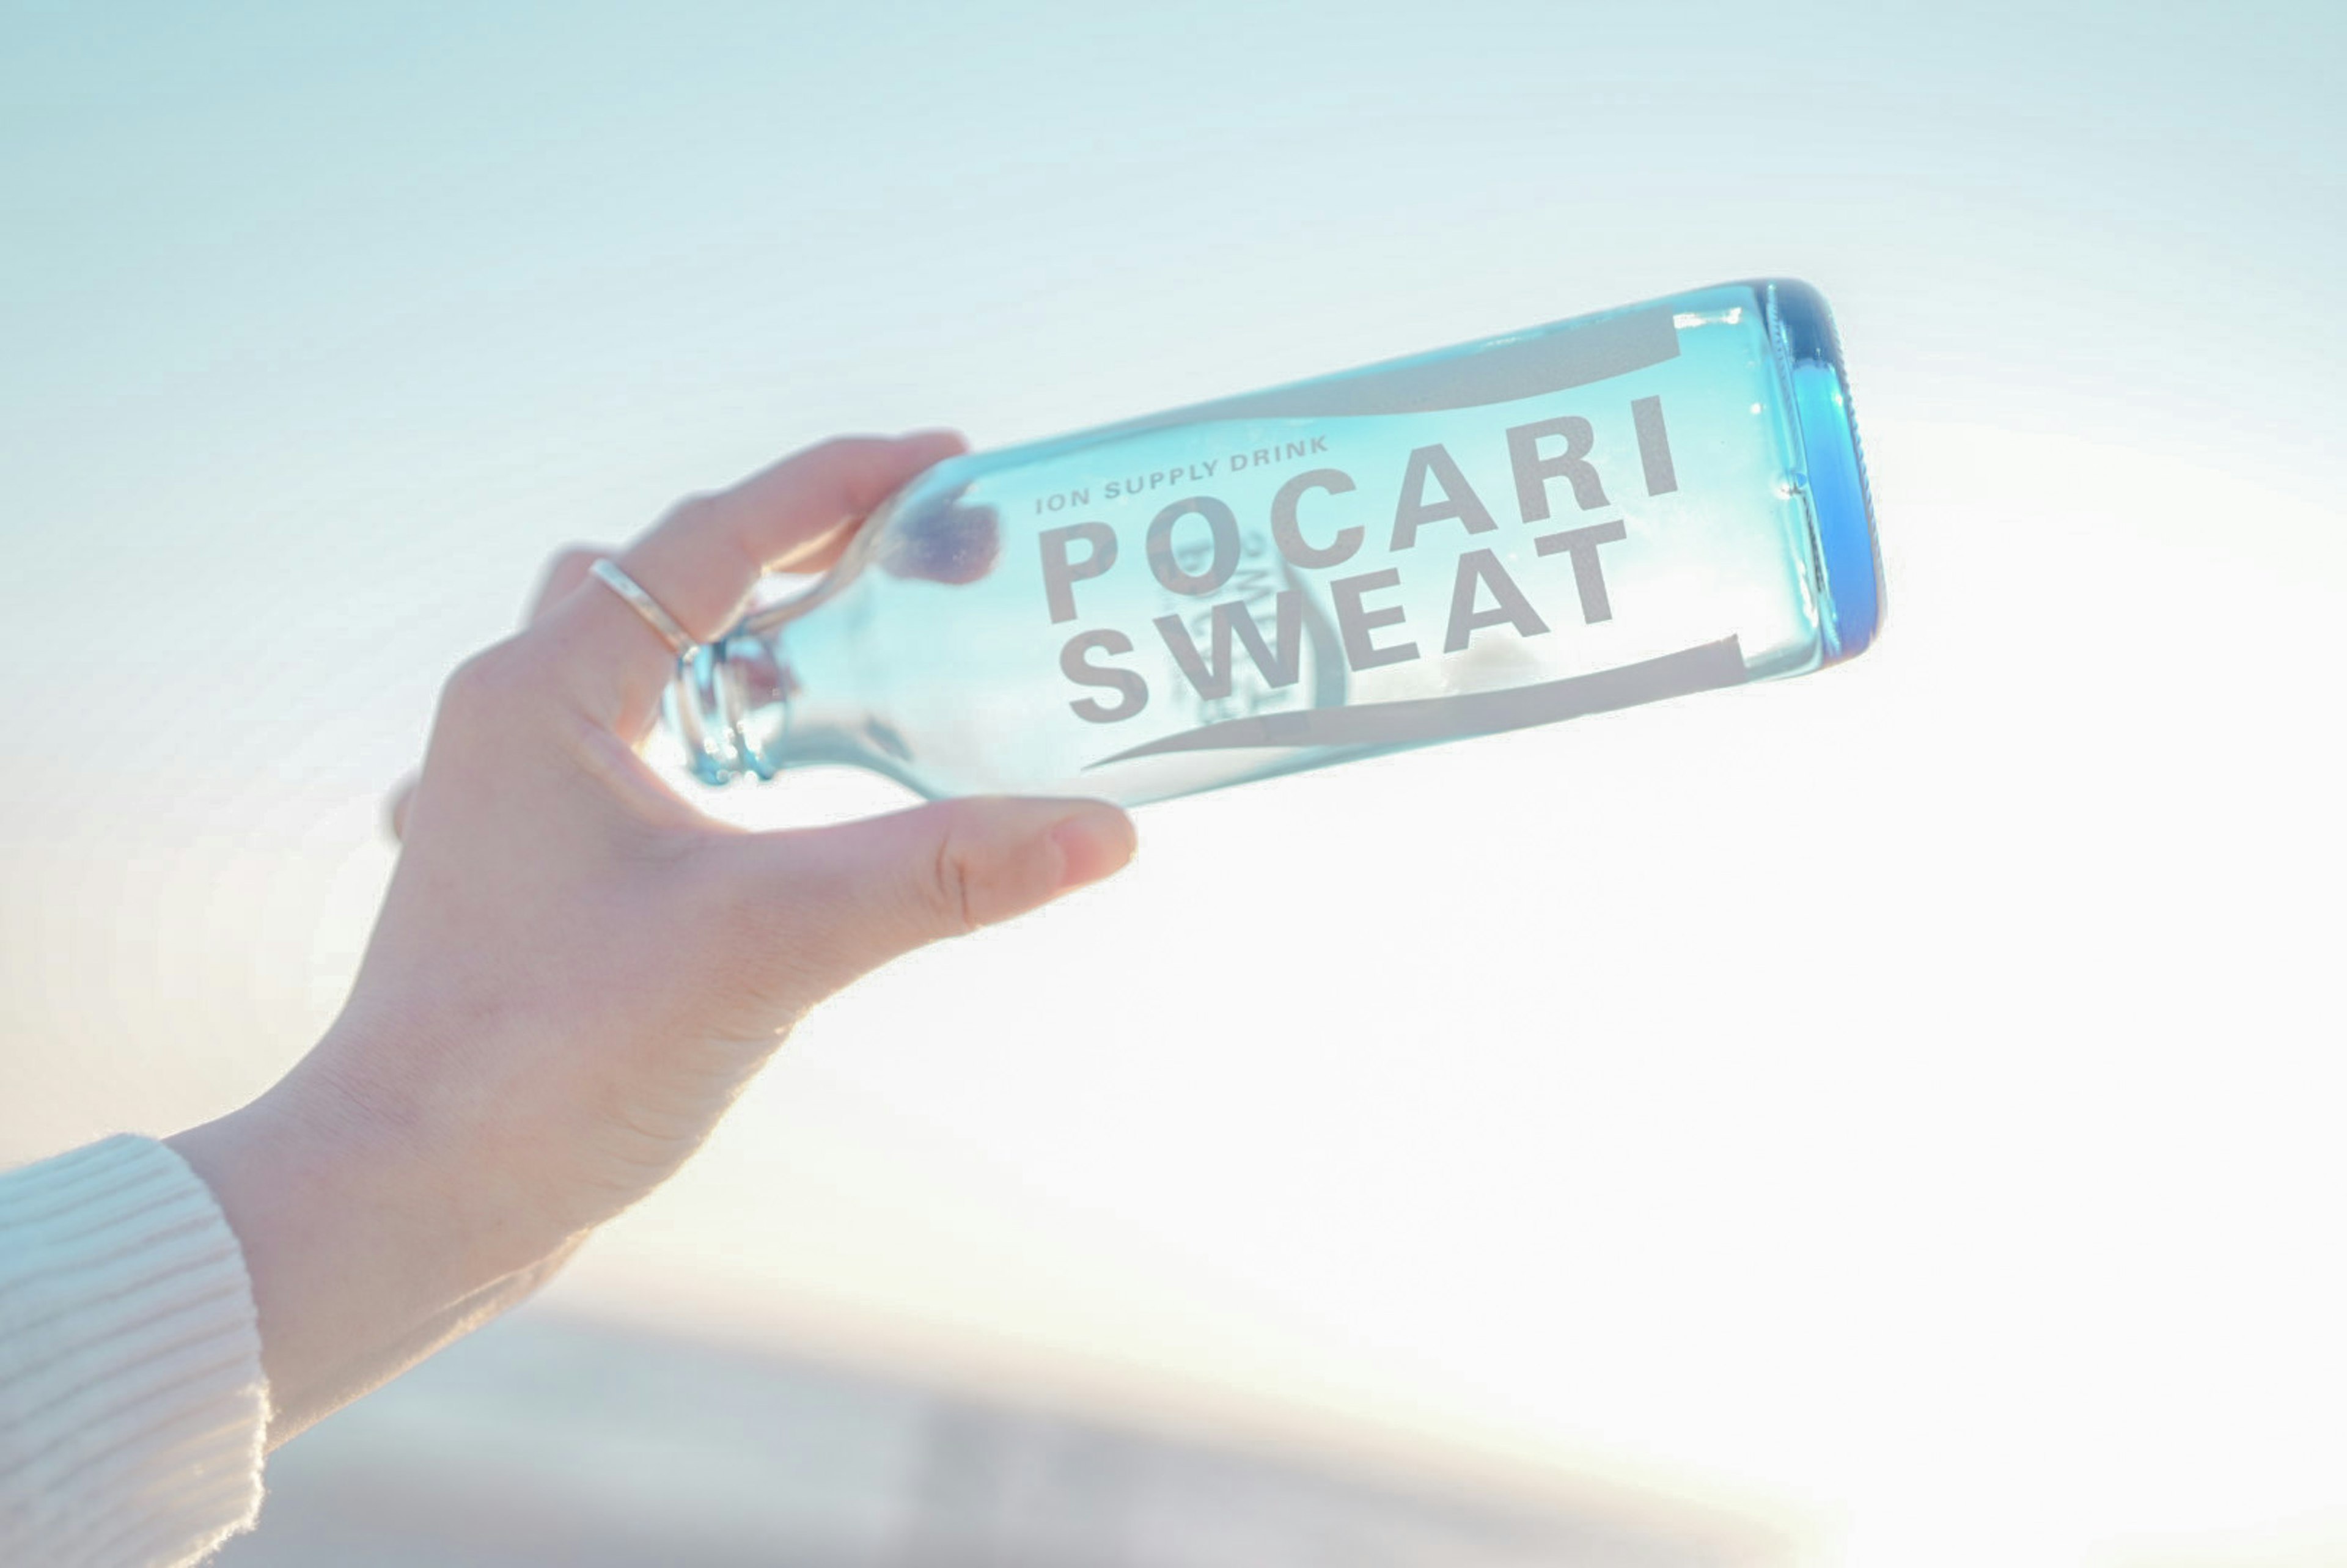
<point x="1612" y="510"/>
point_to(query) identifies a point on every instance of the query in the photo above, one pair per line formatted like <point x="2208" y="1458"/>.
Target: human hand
<point x="574" y="972"/>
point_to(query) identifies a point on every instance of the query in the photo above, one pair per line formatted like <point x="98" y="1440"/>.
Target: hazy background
<point x="1906" y="1102"/>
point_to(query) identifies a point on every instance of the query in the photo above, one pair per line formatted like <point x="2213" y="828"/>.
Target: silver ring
<point x="678" y="641"/>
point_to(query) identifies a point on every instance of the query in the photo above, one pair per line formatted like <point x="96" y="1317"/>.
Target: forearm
<point x="359" y="1241"/>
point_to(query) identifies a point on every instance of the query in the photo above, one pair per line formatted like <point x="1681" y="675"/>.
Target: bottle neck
<point x="704" y="706"/>
<point x="744" y="706"/>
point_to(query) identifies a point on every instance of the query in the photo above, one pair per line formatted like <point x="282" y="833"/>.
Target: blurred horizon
<point x="1901" y="1101"/>
<point x="552" y="1438"/>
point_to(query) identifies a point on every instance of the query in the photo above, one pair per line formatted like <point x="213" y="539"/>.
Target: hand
<point x="574" y="972"/>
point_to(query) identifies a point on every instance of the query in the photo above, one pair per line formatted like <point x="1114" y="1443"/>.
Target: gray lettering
<point x="1060" y="575"/>
<point x="1582" y="544"/>
<point x="1083" y="672"/>
<point x="1534" y="471"/>
<point x="1417" y="719"/>
<point x="1212" y="678"/>
<point x="1225" y="526"/>
<point x="1355" y="623"/>
<point x="1509" y="604"/>
<point x="1458" y="497"/>
<point x="1290" y="537"/>
<point x="1654" y="446"/>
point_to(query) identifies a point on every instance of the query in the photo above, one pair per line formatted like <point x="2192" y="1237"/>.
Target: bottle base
<point x="1841" y="509"/>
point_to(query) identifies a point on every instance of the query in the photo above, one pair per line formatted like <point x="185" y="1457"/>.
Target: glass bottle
<point x="1611" y="510"/>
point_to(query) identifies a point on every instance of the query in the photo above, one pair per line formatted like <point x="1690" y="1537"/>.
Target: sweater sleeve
<point x="132" y="1404"/>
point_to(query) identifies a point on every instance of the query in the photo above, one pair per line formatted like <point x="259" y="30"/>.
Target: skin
<point x="574" y="973"/>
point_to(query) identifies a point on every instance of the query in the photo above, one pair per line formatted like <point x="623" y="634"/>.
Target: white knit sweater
<point x="132" y="1406"/>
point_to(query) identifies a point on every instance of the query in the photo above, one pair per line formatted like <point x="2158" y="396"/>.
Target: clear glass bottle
<point x="1611" y="510"/>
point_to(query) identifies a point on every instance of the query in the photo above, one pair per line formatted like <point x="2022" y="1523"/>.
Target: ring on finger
<point x="680" y="642"/>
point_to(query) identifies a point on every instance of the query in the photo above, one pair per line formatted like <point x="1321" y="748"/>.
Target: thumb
<point x="863" y="893"/>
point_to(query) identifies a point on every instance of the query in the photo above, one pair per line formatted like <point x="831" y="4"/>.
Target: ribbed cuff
<point x="132" y="1403"/>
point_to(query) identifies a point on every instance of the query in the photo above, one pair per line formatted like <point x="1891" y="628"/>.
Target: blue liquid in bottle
<point x="1612" y="510"/>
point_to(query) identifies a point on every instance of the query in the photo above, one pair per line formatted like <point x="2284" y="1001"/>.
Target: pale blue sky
<point x="300" y="300"/>
<point x="321" y="325"/>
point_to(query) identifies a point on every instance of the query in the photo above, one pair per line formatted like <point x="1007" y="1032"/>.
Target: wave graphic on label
<point x="1705" y="668"/>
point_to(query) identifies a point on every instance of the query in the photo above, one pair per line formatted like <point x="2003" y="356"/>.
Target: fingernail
<point x="1093" y="844"/>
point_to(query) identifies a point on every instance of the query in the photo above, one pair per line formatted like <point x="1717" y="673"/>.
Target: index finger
<point x="564" y="574"/>
<point x="700" y="561"/>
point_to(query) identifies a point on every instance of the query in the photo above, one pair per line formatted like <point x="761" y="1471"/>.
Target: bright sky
<point x="1906" y="1097"/>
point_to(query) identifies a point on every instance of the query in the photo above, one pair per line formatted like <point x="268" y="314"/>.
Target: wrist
<point x="357" y="1264"/>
